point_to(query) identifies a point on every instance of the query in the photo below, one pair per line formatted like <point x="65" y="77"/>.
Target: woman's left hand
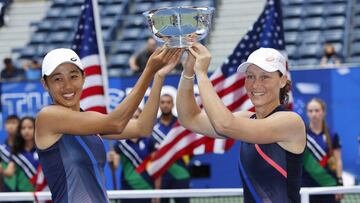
<point x="174" y="60"/>
<point x="202" y="55"/>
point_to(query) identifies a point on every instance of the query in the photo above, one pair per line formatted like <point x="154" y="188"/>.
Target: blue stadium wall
<point x="338" y="87"/>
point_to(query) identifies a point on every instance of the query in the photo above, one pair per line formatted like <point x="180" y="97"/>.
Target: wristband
<point x="339" y="181"/>
<point x="187" y="77"/>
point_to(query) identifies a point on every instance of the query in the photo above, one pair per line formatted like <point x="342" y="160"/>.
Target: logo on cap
<point x="269" y="59"/>
<point x="73" y="59"/>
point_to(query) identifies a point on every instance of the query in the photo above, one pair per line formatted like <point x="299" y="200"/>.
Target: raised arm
<point x="144" y="124"/>
<point x="55" y="120"/>
<point x="274" y="128"/>
<point x="189" y="113"/>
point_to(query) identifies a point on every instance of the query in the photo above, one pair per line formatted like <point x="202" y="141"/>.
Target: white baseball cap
<point x="57" y="57"/>
<point x="268" y="59"/>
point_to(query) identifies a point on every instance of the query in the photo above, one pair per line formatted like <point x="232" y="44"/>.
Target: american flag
<point x="86" y="46"/>
<point x="267" y="31"/>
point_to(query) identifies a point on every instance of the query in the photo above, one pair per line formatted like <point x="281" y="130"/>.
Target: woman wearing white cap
<point x="273" y="139"/>
<point x="70" y="150"/>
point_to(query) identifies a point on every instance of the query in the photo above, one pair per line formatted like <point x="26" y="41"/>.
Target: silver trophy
<point x="179" y="27"/>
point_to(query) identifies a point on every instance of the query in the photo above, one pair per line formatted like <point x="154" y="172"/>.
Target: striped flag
<point x="85" y="44"/>
<point x="267" y="31"/>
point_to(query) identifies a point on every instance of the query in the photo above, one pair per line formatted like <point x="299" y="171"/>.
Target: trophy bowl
<point x="179" y="27"/>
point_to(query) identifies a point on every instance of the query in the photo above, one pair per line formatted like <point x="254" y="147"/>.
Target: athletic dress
<point x="316" y="172"/>
<point x="269" y="173"/>
<point x="74" y="169"/>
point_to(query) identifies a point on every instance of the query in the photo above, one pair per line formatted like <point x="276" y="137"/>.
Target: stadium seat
<point x="59" y="3"/>
<point x="28" y="52"/>
<point x="112" y="10"/>
<point x="293" y="2"/>
<point x="308" y="62"/>
<point x="291" y="51"/>
<point x="293" y="12"/>
<point x="357" y="22"/>
<point x="46" y="25"/>
<point x="338" y="49"/>
<point x="356" y="35"/>
<point x="291" y="38"/>
<point x="292" y="24"/>
<point x="162" y="4"/>
<point x="337" y="22"/>
<point x="206" y="3"/>
<point x="332" y="36"/>
<point x="119" y="61"/>
<point x="66" y="24"/>
<point x="133" y="34"/>
<point x="310" y="51"/>
<point x="336" y="10"/>
<point x="54" y="12"/>
<point x="182" y="3"/>
<point x="107" y="22"/>
<point x="313" y="23"/>
<point x="310" y="37"/>
<point x="74" y="3"/>
<point x="135" y="21"/>
<point x="72" y="12"/>
<point x="39" y="38"/>
<point x="314" y="11"/>
<point x="59" y="37"/>
<point x="315" y="1"/>
<point x="125" y="47"/>
<point x="142" y="7"/>
<point x="355" y="49"/>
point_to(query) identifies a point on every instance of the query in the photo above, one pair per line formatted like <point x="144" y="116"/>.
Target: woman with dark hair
<point x="273" y="139"/>
<point x="24" y="159"/>
<point x="69" y="140"/>
<point x="322" y="158"/>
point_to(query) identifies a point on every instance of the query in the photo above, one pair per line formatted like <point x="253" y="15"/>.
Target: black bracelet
<point x="339" y="181"/>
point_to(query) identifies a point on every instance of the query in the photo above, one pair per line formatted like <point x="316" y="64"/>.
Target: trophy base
<point x="178" y="42"/>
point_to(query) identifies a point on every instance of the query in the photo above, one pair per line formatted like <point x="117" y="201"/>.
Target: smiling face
<point x="65" y="85"/>
<point x="263" y="87"/>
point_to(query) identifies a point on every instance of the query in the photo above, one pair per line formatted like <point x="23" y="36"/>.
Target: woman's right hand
<point x="189" y="63"/>
<point x="171" y="63"/>
<point x="160" y="58"/>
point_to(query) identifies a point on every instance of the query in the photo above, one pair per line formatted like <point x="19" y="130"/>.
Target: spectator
<point x="32" y="70"/>
<point x="177" y="176"/>
<point x="330" y="58"/>
<point x="322" y="157"/>
<point x="138" y="61"/>
<point x="24" y="156"/>
<point x="11" y="125"/>
<point x="126" y="151"/>
<point x="10" y="72"/>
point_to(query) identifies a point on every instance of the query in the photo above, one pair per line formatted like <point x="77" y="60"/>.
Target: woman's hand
<point x="189" y="64"/>
<point x="174" y="60"/>
<point x="160" y="58"/>
<point x="202" y="56"/>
